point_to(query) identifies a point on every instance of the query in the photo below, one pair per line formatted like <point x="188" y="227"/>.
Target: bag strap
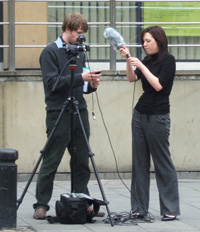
<point x="93" y="213"/>
<point x="52" y="219"/>
<point x="96" y="206"/>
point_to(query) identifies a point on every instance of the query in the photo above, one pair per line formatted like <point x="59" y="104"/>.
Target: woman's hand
<point x="124" y="52"/>
<point x="135" y="62"/>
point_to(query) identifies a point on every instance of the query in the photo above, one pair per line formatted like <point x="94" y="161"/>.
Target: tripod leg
<point x="92" y="161"/>
<point x="101" y="189"/>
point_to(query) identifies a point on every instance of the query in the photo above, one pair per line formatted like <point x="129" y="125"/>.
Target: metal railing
<point x="112" y="23"/>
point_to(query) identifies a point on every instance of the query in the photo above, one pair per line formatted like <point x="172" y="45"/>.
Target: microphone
<point x="116" y="40"/>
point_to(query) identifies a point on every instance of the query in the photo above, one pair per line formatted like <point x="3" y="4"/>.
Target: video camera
<point x="74" y="49"/>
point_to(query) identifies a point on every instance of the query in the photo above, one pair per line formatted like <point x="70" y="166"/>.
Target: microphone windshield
<point x="116" y="40"/>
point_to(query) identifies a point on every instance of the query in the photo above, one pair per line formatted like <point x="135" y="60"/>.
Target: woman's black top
<point x="151" y="101"/>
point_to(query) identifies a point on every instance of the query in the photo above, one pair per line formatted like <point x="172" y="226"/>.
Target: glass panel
<point x="176" y="33"/>
<point x="174" y="12"/>
<point x="126" y="12"/>
<point x="129" y="34"/>
<point x="182" y="53"/>
<point x="93" y="11"/>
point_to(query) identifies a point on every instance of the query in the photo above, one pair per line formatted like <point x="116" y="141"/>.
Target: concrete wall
<point x="22" y="120"/>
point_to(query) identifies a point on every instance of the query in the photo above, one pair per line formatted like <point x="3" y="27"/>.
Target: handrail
<point x="106" y="23"/>
<point x="102" y="46"/>
<point x="102" y="1"/>
<point x="160" y="1"/>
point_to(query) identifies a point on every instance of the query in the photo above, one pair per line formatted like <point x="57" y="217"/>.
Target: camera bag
<point x="72" y="209"/>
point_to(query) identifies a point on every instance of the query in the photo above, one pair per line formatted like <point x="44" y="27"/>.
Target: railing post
<point x="112" y="24"/>
<point x="8" y="188"/>
<point x="12" y="35"/>
<point x="1" y="36"/>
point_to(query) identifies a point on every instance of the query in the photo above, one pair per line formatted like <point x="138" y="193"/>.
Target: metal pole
<point x="112" y="24"/>
<point x="139" y="19"/>
<point x="1" y="36"/>
<point x="12" y="35"/>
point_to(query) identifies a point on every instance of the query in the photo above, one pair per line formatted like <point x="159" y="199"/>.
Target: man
<point x="57" y="76"/>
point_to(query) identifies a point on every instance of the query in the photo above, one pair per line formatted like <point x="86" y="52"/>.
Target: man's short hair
<point x="74" y="22"/>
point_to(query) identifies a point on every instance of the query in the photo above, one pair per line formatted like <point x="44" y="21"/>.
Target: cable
<point x="146" y="213"/>
<point x="120" y="218"/>
<point x="126" y="218"/>
<point x="93" y="114"/>
<point x="134" y="87"/>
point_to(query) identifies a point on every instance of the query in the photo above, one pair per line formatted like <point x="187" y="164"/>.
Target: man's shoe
<point x="138" y="216"/>
<point x="99" y="214"/>
<point x="168" y="218"/>
<point x="40" y="214"/>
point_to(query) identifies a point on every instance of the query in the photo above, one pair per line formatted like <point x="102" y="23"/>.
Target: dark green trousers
<point x="53" y="156"/>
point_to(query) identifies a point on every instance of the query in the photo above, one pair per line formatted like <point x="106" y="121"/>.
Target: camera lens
<point x="81" y="39"/>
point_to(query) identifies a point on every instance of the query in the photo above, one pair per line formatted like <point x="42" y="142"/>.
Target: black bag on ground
<point x="72" y="209"/>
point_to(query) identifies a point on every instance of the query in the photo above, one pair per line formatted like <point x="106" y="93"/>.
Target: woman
<point x="151" y="125"/>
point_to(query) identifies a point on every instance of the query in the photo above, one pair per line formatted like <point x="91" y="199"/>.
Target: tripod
<point x="73" y="103"/>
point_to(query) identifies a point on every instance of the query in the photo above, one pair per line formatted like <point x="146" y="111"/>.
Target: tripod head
<point x="75" y="49"/>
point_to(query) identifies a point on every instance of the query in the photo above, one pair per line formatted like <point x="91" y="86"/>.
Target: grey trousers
<point x="150" y="136"/>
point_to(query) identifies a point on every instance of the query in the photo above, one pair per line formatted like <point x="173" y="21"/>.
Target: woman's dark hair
<point x="75" y="21"/>
<point x="161" y="39"/>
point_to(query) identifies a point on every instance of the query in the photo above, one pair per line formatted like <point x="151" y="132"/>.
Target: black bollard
<point x="8" y="188"/>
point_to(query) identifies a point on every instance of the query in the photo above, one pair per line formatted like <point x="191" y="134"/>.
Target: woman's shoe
<point x="168" y="217"/>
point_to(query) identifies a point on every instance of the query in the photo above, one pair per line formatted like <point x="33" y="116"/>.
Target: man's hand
<point x="93" y="77"/>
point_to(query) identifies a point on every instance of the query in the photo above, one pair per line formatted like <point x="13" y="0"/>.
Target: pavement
<point x="118" y="196"/>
